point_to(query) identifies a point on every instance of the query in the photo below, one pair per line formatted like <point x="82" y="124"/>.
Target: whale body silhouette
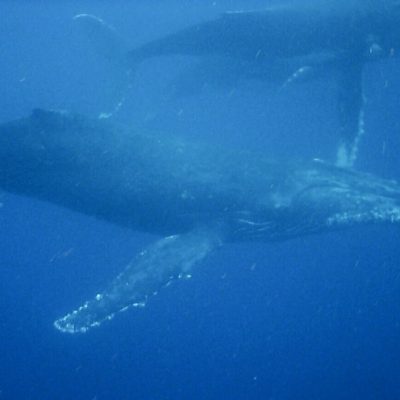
<point x="195" y="196"/>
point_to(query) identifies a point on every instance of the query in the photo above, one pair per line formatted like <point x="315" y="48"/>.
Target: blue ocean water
<point x="312" y="318"/>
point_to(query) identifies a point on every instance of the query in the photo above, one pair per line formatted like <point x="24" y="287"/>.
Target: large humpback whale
<point x="302" y="40"/>
<point x="195" y="196"/>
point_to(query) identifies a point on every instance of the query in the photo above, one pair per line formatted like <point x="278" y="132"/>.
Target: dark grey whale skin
<point x="197" y="196"/>
<point x="286" y="31"/>
<point x="306" y="40"/>
<point x="164" y="185"/>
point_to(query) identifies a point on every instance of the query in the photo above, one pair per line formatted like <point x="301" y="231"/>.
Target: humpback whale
<point x="196" y="197"/>
<point x="303" y="41"/>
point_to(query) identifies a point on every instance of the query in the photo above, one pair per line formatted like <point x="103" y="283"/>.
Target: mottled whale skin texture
<point x="196" y="196"/>
<point x="305" y="40"/>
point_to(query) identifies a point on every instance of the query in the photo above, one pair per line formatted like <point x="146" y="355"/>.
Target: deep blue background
<point x="313" y="318"/>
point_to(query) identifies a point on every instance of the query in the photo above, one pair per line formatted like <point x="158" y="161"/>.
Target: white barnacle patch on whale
<point x="373" y="216"/>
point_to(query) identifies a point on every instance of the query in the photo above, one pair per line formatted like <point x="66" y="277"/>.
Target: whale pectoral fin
<point x="101" y="37"/>
<point x="105" y="42"/>
<point x="155" y="267"/>
<point x="350" y="104"/>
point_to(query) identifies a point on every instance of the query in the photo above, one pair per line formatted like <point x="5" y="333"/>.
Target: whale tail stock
<point x="170" y="258"/>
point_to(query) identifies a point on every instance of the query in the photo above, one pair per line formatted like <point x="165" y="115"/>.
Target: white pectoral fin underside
<point x="170" y="258"/>
<point x="104" y="41"/>
<point x="350" y="107"/>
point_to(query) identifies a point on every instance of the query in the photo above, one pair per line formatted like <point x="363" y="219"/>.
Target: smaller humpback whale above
<point x="304" y="41"/>
<point x="196" y="197"/>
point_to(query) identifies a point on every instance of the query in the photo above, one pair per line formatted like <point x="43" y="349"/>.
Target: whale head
<point x="345" y="197"/>
<point x="318" y="197"/>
